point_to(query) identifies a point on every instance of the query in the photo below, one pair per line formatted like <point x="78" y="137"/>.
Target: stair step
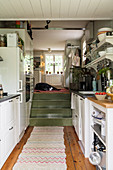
<point x="50" y="122"/>
<point x="51" y="96"/>
<point x="45" y="112"/>
<point x="51" y="104"/>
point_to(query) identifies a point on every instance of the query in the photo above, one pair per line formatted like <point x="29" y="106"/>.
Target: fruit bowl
<point x="100" y="96"/>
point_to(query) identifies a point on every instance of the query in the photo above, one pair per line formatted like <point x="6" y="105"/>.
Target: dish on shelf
<point x="94" y="158"/>
<point x="109" y="50"/>
<point x="102" y="33"/>
<point x="99" y="117"/>
<point x="111" y="95"/>
<point x="105" y="29"/>
<point x="101" y="36"/>
<point x="102" y="53"/>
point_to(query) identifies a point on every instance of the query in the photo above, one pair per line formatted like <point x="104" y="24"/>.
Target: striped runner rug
<point x="44" y="150"/>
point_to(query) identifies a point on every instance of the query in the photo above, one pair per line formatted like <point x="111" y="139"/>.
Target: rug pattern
<point x="44" y="150"/>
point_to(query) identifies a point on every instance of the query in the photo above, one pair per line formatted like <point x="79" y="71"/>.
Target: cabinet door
<point x="10" y="111"/>
<point x="83" y="121"/>
<point x="2" y="115"/>
<point x="76" y="124"/>
<point x="77" y="104"/>
<point x="72" y="101"/>
<point x="9" y="140"/>
<point x="2" y="150"/>
<point x="17" y="117"/>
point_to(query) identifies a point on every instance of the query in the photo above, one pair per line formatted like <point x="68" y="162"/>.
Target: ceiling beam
<point x="36" y="28"/>
<point x="54" y="19"/>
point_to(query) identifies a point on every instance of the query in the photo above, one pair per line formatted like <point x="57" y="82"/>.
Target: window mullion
<point x="53" y="63"/>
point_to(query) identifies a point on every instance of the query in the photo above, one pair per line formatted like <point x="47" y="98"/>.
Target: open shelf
<point x="97" y="131"/>
<point x="104" y="43"/>
<point x="107" y="40"/>
<point x="107" y="56"/>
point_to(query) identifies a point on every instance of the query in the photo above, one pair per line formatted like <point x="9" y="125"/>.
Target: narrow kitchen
<point x="56" y="85"/>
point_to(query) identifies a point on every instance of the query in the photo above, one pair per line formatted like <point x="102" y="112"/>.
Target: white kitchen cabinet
<point x="75" y="101"/>
<point x="80" y="117"/>
<point x="17" y="117"/>
<point x="82" y="120"/>
<point x="8" y="138"/>
<point x="105" y="108"/>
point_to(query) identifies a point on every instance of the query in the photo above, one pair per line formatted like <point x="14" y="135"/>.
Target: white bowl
<point x="102" y="53"/>
<point x="109" y="50"/>
<point x="105" y="29"/>
<point x="101" y="36"/>
<point x="100" y="97"/>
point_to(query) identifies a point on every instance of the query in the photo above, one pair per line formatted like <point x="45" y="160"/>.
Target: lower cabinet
<point x="81" y="121"/>
<point x="8" y="138"/>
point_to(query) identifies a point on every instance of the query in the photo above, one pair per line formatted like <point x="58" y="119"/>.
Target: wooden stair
<point x="51" y="109"/>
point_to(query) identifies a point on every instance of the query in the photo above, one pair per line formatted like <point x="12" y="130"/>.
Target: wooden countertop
<point x="105" y="103"/>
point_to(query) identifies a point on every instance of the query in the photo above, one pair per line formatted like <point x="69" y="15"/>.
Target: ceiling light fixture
<point x="48" y="22"/>
<point x="49" y="50"/>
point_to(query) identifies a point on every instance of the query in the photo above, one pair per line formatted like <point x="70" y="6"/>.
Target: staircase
<point x="51" y="109"/>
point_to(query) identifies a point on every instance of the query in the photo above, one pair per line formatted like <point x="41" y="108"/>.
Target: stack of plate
<point x="102" y="32"/>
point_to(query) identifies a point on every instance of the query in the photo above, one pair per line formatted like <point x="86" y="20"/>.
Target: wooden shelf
<point x="97" y="131"/>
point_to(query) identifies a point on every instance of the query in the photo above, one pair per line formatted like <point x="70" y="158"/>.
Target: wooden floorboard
<point x="74" y="157"/>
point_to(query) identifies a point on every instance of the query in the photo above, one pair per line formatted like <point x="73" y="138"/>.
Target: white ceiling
<point x="54" y="39"/>
<point x="56" y="9"/>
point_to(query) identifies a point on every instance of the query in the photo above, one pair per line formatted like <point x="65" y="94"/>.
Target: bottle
<point x="94" y="84"/>
<point x="1" y="91"/>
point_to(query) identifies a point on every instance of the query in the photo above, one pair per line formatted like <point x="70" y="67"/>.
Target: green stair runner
<point x="51" y="109"/>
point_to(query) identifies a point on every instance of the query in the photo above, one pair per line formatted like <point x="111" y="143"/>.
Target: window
<point x="54" y="63"/>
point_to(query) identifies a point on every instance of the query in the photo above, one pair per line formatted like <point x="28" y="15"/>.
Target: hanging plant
<point x="103" y="70"/>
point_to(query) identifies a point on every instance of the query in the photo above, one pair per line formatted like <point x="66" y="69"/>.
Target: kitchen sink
<point x="87" y="92"/>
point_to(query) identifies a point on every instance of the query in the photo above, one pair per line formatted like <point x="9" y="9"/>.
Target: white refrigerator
<point x="12" y="78"/>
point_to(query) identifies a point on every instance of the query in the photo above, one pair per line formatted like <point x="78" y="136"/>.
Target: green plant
<point x="103" y="70"/>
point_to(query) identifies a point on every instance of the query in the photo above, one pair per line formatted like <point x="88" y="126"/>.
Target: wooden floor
<point x="75" y="159"/>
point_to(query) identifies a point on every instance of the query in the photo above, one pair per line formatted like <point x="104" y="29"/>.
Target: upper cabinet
<point x="28" y="46"/>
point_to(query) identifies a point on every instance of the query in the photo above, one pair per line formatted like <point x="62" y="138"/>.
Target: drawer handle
<point x="81" y="99"/>
<point x="11" y="101"/>
<point x="17" y="98"/>
<point x="76" y="116"/>
<point x="11" y="128"/>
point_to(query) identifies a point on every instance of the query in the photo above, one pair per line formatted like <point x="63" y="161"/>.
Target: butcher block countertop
<point x="107" y="103"/>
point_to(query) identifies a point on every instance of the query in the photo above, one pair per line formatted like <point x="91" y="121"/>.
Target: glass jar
<point x="3" y="40"/>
